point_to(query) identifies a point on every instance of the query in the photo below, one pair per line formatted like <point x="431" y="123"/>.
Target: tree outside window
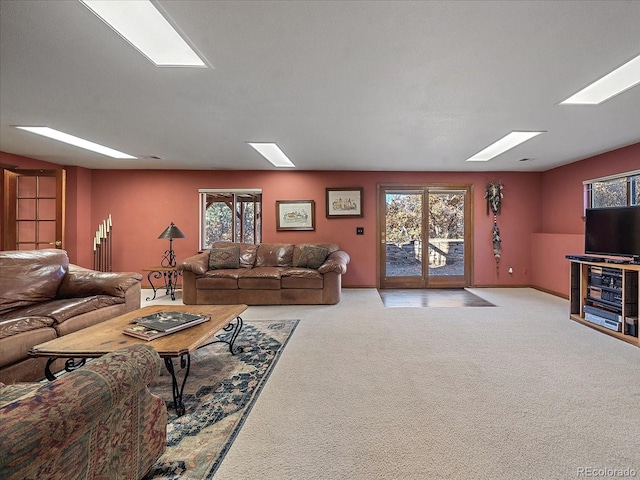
<point x="614" y="192"/>
<point x="231" y="216"/>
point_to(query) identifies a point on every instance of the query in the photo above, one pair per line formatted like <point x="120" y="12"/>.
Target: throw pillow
<point x="227" y="257"/>
<point x="312" y="256"/>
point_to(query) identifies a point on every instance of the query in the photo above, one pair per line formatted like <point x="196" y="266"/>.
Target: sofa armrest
<point x="43" y="424"/>
<point x="82" y="282"/>
<point x="335" y="262"/>
<point x="198" y="264"/>
<point x="133" y="297"/>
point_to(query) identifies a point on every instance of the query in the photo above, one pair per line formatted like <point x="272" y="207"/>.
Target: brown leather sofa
<point x="43" y="296"/>
<point x="265" y="274"/>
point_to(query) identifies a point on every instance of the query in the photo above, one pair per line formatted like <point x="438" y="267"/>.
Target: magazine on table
<point x="150" y="327"/>
<point x="144" y="333"/>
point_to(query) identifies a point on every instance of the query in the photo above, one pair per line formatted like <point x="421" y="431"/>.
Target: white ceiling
<point x="339" y="85"/>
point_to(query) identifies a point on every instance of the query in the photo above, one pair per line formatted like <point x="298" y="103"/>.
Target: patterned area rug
<point x="219" y="394"/>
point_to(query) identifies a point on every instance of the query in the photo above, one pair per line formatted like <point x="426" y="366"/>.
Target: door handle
<point x="57" y="243"/>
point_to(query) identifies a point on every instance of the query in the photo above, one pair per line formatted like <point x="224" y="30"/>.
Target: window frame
<point x="202" y="200"/>
<point x="631" y="187"/>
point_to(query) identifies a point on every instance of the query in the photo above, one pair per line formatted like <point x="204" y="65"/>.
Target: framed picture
<point x="295" y="215"/>
<point x="344" y="202"/>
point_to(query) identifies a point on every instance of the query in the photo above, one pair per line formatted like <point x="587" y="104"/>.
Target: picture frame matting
<point x="344" y="202"/>
<point x="295" y="215"/>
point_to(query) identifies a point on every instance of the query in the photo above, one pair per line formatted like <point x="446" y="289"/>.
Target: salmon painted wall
<point x="80" y="229"/>
<point x="143" y="203"/>
<point x="562" y="209"/>
<point x="11" y="160"/>
<point x="563" y="187"/>
<point x="550" y="271"/>
<point x="541" y="218"/>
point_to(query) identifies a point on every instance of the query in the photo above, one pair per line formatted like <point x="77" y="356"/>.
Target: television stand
<point x="604" y="296"/>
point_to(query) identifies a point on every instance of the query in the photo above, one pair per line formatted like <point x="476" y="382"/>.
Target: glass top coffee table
<point x="107" y="336"/>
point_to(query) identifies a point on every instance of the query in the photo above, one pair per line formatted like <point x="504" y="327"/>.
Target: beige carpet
<point x="513" y="392"/>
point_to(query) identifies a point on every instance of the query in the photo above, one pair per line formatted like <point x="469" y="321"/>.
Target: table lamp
<point x="171" y="232"/>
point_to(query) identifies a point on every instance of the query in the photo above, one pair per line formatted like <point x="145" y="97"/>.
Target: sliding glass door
<point x="425" y="236"/>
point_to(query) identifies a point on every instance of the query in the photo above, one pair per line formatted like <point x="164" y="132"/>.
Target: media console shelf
<point x="604" y="296"/>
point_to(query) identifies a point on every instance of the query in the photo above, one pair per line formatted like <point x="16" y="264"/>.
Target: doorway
<point x="33" y="209"/>
<point x="425" y="236"/>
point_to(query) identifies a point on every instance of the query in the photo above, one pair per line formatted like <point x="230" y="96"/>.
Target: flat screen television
<point x="613" y="231"/>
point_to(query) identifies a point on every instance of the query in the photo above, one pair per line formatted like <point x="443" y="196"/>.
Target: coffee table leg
<point x="47" y="370"/>
<point x="235" y="327"/>
<point x="69" y="365"/>
<point x="185" y="363"/>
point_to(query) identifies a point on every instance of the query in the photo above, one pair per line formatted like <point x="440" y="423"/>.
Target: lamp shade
<point x="172" y="232"/>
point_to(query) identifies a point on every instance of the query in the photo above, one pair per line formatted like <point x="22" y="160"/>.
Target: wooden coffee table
<point x="105" y="337"/>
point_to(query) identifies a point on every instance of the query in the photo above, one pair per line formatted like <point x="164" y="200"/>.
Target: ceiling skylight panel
<point x="272" y="152"/>
<point x="141" y="24"/>
<point x="621" y="79"/>
<point x="506" y="143"/>
<point x="76" y="141"/>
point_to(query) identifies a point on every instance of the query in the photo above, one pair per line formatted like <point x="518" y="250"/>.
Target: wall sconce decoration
<point x="169" y="257"/>
<point x="493" y="194"/>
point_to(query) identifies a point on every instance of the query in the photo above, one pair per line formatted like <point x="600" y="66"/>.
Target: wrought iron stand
<point x="170" y="277"/>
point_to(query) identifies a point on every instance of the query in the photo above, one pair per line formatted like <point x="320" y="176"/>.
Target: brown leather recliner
<point x="43" y="296"/>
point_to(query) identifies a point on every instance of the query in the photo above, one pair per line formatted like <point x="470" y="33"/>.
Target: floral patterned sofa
<point x="97" y="422"/>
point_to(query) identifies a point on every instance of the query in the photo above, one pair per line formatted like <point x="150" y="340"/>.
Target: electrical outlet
<point x="359" y="230"/>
